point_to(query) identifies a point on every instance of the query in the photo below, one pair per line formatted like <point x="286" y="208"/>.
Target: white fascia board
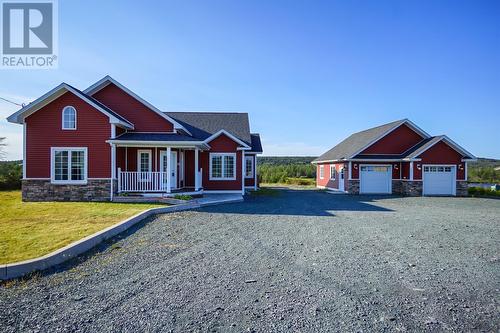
<point x="176" y="144"/>
<point x="108" y="79"/>
<point x="405" y="121"/>
<point x="328" y="161"/>
<point x="53" y="94"/>
<point x="232" y="137"/>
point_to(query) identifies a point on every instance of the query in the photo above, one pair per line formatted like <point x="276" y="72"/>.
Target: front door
<point x="173" y="169"/>
<point x="341" y="180"/>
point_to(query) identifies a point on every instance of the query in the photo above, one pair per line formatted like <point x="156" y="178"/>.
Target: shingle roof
<point x="256" y="144"/>
<point x="204" y="124"/>
<point x="357" y="141"/>
<point x="137" y="136"/>
<point x="118" y="116"/>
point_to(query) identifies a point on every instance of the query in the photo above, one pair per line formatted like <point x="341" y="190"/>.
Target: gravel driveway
<point x="300" y="261"/>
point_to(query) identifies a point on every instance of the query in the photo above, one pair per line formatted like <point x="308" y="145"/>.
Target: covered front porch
<point x="158" y="169"/>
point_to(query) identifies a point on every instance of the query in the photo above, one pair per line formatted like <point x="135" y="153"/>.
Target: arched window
<point x="69" y="118"/>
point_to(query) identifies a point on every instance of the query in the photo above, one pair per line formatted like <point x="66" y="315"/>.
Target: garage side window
<point x="321" y="171"/>
<point x="248" y="167"/>
<point x="333" y="172"/>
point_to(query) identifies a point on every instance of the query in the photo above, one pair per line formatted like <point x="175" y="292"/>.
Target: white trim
<point x="68" y="107"/>
<point x="24" y="150"/>
<point x="55" y="93"/>
<point x="255" y="174"/>
<point x="411" y="170"/>
<point x="243" y="173"/>
<point x="375" y="165"/>
<point x="196" y="169"/>
<point x="466" y="175"/>
<point x="249" y="158"/>
<point x="232" y="137"/>
<point x="40" y="178"/>
<point x="454" y="175"/>
<point x="211" y="155"/>
<point x="113" y="131"/>
<point x="139" y="152"/>
<point x="152" y="144"/>
<point x="105" y="81"/>
<point x="350" y="171"/>
<point x="417" y="129"/>
<point x="321" y="171"/>
<point x="334" y="173"/>
<point x="163" y="153"/>
<point x="69" y="150"/>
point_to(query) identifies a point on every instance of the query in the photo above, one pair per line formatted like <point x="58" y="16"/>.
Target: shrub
<point x="11" y="174"/>
<point x="183" y="197"/>
<point x="480" y="191"/>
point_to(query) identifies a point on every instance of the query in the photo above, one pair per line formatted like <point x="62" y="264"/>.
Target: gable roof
<point x="114" y="118"/>
<point x="352" y="146"/>
<point x="434" y="140"/>
<point x="107" y="80"/>
<point x="357" y="142"/>
<point x="203" y="125"/>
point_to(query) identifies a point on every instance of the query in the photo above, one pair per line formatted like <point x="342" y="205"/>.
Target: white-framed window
<point x="69" y="118"/>
<point x="333" y="172"/>
<point x="68" y="165"/>
<point x="222" y="166"/>
<point x="321" y="172"/>
<point x="248" y="166"/>
<point x="144" y="163"/>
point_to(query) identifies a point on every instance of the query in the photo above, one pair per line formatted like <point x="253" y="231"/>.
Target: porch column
<point x="113" y="170"/>
<point x="243" y="172"/>
<point x="196" y="173"/>
<point x="411" y="170"/>
<point x="255" y="177"/>
<point x="169" y="170"/>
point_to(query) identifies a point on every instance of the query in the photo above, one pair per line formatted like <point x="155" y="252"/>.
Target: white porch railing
<point x="133" y="181"/>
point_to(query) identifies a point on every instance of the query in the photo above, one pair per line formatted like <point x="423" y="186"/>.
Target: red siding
<point x="327" y="181"/>
<point x="222" y="144"/>
<point x="396" y="142"/>
<point x="143" y="118"/>
<point x="405" y="170"/>
<point x="440" y="153"/>
<point x="43" y="131"/>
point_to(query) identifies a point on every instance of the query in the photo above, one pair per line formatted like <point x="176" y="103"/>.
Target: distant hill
<point x="284" y="160"/>
<point x="485" y="162"/>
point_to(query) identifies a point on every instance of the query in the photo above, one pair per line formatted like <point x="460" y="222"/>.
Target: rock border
<point x="21" y="268"/>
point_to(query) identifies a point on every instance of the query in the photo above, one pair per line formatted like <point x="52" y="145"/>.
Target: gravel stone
<point x="321" y="262"/>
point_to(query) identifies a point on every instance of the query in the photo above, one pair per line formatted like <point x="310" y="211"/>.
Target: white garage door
<point x="439" y="180"/>
<point x="375" y="179"/>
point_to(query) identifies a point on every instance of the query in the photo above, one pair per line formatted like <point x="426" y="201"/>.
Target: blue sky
<point x="309" y="73"/>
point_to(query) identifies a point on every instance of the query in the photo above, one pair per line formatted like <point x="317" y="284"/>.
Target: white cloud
<point x="291" y="149"/>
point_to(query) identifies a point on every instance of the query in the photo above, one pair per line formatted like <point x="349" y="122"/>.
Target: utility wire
<point x="9" y="101"/>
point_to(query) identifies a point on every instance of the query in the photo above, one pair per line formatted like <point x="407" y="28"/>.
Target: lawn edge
<point x="20" y="268"/>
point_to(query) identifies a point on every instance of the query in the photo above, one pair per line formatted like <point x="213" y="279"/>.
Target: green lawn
<point x="32" y="229"/>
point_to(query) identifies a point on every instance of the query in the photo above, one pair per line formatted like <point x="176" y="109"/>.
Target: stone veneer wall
<point x="353" y="186"/>
<point x="411" y="188"/>
<point x="462" y="189"/>
<point x="44" y="190"/>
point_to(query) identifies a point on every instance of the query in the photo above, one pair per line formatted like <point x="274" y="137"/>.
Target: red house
<point x="395" y="158"/>
<point x="106" y="140"/>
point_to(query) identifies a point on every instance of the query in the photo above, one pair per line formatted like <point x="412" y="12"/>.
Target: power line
<point x="9" y="101"/>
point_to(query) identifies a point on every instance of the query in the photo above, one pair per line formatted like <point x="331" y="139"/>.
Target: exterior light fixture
<point x="356" y="166"/>
<point x="396" y="166"/>
<point x="419" y="167"/>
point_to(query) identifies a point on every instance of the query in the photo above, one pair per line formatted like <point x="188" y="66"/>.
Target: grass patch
<point x="301" y="181"/>
<point x="266" y="191"/>
<point x="183" y="197"/>
<point x="481" y="192"/>
<point x="32" y="229"/>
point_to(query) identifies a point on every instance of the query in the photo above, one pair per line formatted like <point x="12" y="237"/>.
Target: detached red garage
<point x="395" y="158"/>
